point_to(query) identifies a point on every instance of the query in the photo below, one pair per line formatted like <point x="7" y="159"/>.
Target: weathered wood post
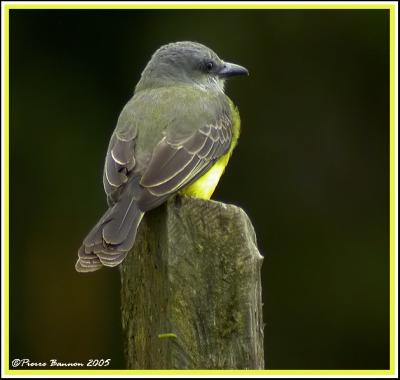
<point x="191" y="289"/>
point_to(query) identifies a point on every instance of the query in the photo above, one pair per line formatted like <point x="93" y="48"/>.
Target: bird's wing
<point x="120" y="160"/>
<point x="176" y="162"/>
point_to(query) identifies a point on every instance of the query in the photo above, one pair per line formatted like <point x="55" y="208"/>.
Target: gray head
<point x="189" y="63"/>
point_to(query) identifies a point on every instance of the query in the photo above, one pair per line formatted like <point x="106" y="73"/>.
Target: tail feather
<point x="108" y="243"/>
<point x="124" y="213"/>
<point x="87" y="262"/>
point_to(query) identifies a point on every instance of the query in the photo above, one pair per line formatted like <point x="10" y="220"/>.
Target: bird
<point x="174" y="136"/>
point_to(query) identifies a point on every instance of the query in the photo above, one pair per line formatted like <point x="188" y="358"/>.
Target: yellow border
<point x="182" y="5"/>
<point x="271" y="372"/>
<point x="391" y="8"/>
<point x="393" y="207"/>
<point x="6" y="190"/>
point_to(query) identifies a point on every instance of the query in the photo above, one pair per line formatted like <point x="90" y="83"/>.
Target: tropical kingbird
<point x="175" y="135"/>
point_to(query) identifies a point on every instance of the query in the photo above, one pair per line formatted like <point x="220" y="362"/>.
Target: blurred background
<point x="311" y="170"/>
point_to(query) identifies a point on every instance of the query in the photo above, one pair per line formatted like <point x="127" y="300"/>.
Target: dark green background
<point x="311" y="170"/>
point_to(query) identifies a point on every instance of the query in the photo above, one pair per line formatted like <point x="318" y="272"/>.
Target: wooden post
<point x="191" y="289"/>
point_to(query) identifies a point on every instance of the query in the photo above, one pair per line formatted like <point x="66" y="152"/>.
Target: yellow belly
<point x="206" y="184"/>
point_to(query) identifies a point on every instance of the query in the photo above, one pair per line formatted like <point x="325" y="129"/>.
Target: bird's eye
<point x="209" y="66"/>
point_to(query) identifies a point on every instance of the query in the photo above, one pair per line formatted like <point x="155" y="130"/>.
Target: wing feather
<point x="175" y="183"/>
<point x="167" y="156"/>
<point x="175" y="164"/>
<point x="120" y="161"/>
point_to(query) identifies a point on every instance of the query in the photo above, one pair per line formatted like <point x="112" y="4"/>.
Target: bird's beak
<point x="231" y="69"/>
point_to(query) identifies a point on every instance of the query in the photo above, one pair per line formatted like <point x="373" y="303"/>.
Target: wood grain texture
<point x="191" y="289"/>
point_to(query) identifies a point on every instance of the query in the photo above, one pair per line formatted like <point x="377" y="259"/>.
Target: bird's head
<point x="188" y="63"/>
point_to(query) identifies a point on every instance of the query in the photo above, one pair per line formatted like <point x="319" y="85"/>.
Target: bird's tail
<point x="112" y="237"/>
